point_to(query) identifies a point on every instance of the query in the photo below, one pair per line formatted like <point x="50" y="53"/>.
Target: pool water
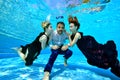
<point x="20" y="24"/>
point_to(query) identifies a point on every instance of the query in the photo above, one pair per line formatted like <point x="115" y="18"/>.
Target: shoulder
<point x="43" y="37"/>
<point x="78" y="35"/>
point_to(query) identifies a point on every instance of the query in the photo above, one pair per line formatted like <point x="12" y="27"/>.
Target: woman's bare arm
<point x="77" y="36"/>
<point x="43" y="40"/>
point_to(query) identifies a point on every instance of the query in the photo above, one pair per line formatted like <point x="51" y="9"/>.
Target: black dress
<point x="100" y="55"/>
<point x="34" y="49"/>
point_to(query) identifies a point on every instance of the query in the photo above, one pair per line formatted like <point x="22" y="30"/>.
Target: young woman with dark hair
<point x="100" y="55"/>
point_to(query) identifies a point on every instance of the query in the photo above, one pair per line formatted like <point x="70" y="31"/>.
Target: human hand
<point x="64" y="48"/>
<point x="55" y="47"/>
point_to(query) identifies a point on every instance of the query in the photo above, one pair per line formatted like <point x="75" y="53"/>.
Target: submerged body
<point x="33" y="49"/>
<point x="100" y="55"/>
<point x="58" y="47"/>
<point x="29" y="52"/>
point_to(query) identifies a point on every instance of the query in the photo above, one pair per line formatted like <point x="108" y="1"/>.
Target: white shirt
<point x="58" y="39"/>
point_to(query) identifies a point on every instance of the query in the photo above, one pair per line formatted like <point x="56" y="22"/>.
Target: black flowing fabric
<point x="33" y="48"/>
<point x="100" y="55"/>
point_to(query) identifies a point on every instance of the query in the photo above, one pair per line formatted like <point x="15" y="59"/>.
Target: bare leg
<point x="22" y="56"/>
<point x="46" y="75"/>
<point x="65" y="62"/>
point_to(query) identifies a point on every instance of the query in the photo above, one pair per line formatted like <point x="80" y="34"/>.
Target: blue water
<point x="20" y="24"/>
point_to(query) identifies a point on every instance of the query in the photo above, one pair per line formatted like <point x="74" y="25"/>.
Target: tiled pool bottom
<point x="77" y="69"/>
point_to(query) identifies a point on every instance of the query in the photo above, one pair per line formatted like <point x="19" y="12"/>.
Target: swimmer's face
<point x="49" y="29"/>
<point x="60" y="28"/>
<point x="73" y="28"/>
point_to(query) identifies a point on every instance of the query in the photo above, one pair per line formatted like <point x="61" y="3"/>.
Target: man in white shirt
<point x="58" y="38"/>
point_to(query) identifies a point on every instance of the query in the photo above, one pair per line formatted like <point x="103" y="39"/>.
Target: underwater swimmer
<point x="100" y="55"/>
<point x="29" y="52"/>
<point x="58" y="47"/>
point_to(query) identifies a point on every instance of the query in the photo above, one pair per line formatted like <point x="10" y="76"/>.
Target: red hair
<point x="74" y="20"/>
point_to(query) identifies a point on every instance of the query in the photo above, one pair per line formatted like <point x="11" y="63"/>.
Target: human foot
<point x="22" y="56"/>
<point x="46" y="75"/>
<point x="65" y="62"/>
